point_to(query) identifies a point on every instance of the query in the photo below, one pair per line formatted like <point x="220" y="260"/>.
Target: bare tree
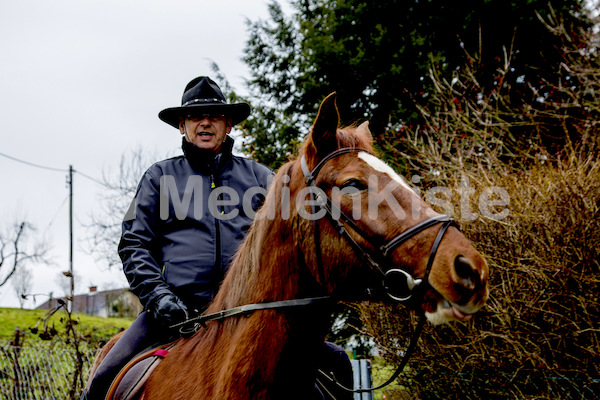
<point x="22" y="282"/>
<point x="104" y="230"/>
<point x="18" y="248"/>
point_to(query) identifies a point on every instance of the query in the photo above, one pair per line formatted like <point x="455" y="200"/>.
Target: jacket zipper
<point x="217" y="269"/>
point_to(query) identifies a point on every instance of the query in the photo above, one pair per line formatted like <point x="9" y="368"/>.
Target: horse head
<point x="341" y="186"/>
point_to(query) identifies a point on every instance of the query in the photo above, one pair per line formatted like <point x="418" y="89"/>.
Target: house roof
<point x="90" y="303"/>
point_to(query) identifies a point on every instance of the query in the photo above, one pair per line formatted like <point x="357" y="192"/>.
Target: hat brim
<point x="237" y="111"/>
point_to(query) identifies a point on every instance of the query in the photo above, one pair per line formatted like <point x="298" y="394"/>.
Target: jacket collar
<point x="205" y="161"/>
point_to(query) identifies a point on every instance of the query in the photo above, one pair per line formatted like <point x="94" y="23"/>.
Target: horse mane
<point x="241" y="281"/>
<point x="352" y="136"/>
<point x="239" y="284"/>
<point x="355" y="136"/>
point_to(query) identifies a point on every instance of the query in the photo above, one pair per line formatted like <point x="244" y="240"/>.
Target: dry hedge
<point x="539" y="335"/>
<point x="539" y="332"/>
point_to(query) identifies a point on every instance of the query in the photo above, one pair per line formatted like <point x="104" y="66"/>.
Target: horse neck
<point x="266" y="268"/>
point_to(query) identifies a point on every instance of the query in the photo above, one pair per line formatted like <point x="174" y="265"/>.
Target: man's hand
<point x="169" y="310"/>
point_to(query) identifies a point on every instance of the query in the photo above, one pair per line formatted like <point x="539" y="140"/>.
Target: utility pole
<point x="70" y="303"/>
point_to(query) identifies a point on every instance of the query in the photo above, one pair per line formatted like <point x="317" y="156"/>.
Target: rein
<point x="246" y="310"/>
<point x="415" y="338"/>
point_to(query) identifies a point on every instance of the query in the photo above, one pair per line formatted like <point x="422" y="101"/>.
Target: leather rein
<point x="398" y="284"/>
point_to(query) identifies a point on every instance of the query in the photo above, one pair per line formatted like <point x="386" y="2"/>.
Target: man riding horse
<point x="178" y="240"/>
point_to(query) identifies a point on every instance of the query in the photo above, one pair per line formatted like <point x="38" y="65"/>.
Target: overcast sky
<point x="81" y="83"/>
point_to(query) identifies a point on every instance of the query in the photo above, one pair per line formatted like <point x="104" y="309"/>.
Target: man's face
<point x="207" y="131"/>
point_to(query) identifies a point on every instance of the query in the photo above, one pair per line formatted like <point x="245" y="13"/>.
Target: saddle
<point x="131" y="379"/>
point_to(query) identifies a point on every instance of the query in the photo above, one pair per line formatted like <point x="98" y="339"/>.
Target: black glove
<point x="169" y="310"/>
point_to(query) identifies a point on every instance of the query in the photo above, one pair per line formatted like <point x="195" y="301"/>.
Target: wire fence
<point x="49" y="370"/>
<point x="43" y="371"/>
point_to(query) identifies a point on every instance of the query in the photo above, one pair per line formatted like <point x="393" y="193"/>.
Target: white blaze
<point x="382" y="167"/>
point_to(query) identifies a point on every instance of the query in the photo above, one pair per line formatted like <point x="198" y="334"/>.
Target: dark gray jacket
<point x="180" y="238"/>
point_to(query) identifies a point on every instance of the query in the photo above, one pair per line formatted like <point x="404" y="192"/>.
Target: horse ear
<point x="323" y="136"/>
<point x="363" y="129"/>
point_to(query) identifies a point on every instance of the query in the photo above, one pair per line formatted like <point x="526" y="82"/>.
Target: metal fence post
<point x="361" y="370"/>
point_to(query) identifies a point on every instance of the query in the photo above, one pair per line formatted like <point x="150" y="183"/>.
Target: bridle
<point x="398" y="284"/>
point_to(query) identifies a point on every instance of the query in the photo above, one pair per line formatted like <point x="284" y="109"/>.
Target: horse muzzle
<point x="464" y="294"/>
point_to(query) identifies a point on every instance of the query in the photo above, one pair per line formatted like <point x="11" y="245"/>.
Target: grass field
<point x="45" y="363"/>
<point x="93" y="328"/>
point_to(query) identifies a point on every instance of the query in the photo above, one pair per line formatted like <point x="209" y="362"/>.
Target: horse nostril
<point x="468" y="275"/>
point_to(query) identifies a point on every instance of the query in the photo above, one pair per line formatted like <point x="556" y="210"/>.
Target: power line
<point x="57" y="212"/>
<point x="70" y="197"/>
<point x="32" y="164"/>
<point x="90" y="178"/>
<point x="53" y="169"/>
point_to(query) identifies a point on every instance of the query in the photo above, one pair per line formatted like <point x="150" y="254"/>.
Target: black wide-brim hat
<point x="202" y="95"/>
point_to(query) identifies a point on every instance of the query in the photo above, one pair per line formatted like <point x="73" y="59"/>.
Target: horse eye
<point x="356" y="184"/>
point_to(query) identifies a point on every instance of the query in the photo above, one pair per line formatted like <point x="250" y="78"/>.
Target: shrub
<point x="538" y="336"/>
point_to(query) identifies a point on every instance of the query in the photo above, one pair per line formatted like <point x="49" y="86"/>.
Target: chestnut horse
<point x="286" y="255"/>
